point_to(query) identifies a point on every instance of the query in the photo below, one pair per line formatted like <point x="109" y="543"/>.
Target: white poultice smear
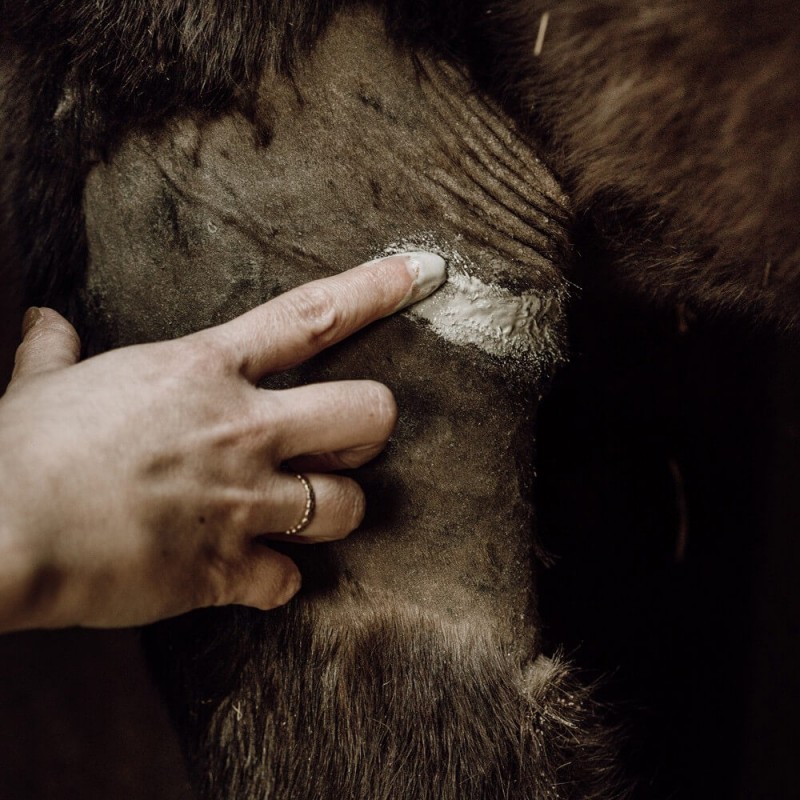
<point x="468" y="311"/>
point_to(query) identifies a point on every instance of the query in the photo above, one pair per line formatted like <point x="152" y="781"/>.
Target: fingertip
<point x="43" y="314"/>
<point x="293" y="581"/>
<point x="428" y="272"/>
<point x="32" y="316"/>
<point x="41" y="321"/>
<point x="384" y="407"/>
<point x="49" y="342"/>
<point x="405" y="278"/>
<point x="276" y="585"/>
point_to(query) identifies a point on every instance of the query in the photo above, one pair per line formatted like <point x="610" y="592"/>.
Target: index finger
<point x="296" y="325"/>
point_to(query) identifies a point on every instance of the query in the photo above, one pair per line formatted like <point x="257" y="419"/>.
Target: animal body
<point x="173" y="163"/>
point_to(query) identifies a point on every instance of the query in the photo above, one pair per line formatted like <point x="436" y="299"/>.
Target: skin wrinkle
<point x="493" y="152"/>
<point x="449" y="531"/>
<point x="473" y="164"/>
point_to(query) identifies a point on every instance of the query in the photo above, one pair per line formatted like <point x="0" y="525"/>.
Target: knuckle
<point x="221" y="573"/>
<point x="237" y="509"/>
<point x="215" y="587"/>
<point x="242" y="515"/>
<point x="201" y="354"/>
<point x="317" y="311"/>
<point x="275" y="587"/>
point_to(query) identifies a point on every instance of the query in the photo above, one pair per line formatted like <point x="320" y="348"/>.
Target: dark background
<point x="669" y="464"/>
<point x="669" y="489"/>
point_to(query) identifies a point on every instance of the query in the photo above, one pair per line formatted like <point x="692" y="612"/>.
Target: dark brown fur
<point x="676" y="126"/>
<point x="394" y="706"/>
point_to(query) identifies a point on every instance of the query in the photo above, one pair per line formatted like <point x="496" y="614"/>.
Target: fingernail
<point x="32" y="316"/>
<point x="429" y="272"/>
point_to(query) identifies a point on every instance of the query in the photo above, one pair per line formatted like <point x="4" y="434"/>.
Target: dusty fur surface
<point x="393" y="705"/>
<point x="674" y="123"/>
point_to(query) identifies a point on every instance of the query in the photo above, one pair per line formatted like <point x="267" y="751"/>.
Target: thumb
<point x="49" y="342"/>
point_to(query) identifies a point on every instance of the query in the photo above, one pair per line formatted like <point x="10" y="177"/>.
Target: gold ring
<point x="308" y="511"/>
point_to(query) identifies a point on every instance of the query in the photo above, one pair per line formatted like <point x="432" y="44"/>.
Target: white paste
<point x="468" y="311"/>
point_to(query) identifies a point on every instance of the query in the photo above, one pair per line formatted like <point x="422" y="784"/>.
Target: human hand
<point x="133" y="484"/>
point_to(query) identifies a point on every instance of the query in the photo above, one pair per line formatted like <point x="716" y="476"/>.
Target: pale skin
<point x="141" y="483"/>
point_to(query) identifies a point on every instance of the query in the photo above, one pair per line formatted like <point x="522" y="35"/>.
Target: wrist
<point x="28" y="586"/>
<point x="20" y="583"/>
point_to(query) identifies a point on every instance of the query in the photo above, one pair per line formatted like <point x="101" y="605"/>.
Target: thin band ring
<point x="308" y="510"/>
